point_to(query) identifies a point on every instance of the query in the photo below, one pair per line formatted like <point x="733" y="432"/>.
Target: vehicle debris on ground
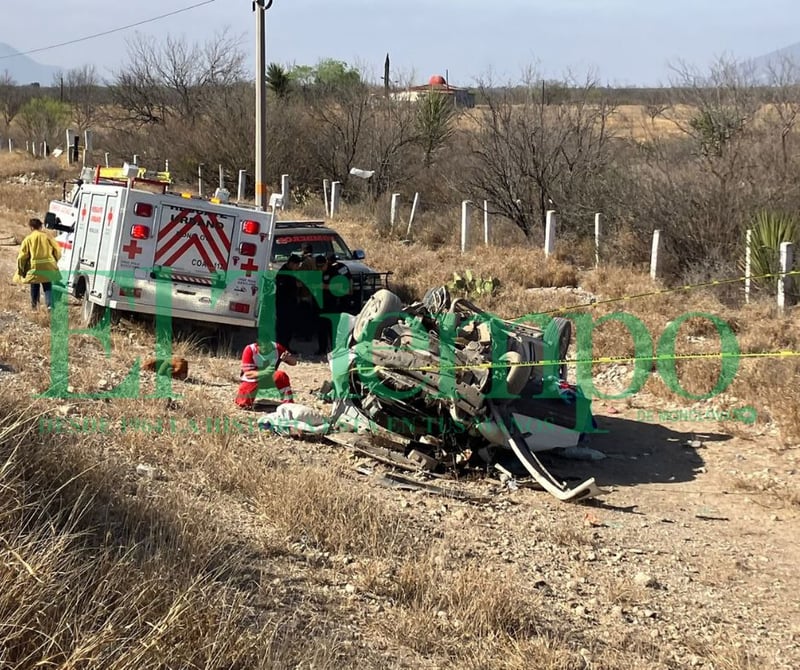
<point x="441" y="385"/>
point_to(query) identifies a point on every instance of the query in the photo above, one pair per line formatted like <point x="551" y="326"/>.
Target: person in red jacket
<point x="257" y="363"/>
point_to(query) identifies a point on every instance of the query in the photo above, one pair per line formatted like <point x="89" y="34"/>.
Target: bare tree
<point x="389" y="143"/>
<point x="12" y="98"/>
<point x="83" y="93"/>
<point x="783" y="91"/>
<point x="175" y="79"/>
<point x="531" y="156"/>
<point x="340" y="115"/>
<point x="723" y="104"/>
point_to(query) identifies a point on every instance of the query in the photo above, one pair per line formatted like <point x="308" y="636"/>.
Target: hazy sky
<point x="623" y="41"/>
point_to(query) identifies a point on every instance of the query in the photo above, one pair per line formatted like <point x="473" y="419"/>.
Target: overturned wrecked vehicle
<point x="443" y="383"/>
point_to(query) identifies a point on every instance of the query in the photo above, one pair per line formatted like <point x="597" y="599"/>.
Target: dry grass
<point x="102" y="568"/>
<point x="320" y="509"/>
<point x="455" y="609"/>
<point x="93" y="578"/>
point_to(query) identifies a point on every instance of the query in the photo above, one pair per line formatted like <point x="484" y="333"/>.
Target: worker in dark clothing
<point x="308" y="257"/>
<point x="337" y="287"/>
<point x="287" y="300"/>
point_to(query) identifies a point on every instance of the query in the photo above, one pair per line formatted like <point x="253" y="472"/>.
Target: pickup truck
<point x="295" y="236"/>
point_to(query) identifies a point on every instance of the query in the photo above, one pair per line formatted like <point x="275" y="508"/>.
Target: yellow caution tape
<point x="587" y="361"/>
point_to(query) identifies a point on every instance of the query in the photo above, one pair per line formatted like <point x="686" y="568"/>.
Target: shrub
<point x="769" y="231"/>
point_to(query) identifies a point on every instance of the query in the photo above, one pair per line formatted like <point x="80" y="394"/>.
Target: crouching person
<point x="260" y="371"/>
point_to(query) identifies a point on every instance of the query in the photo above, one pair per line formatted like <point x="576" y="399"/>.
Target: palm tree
<point x="278" y="80"/>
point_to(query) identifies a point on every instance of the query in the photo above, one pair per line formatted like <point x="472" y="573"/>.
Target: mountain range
<point x="25" y="70"/>
<point x="775" y="58"/>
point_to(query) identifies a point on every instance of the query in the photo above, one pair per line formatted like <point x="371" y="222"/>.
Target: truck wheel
<point x="381" y="303"/>
<point x="559" y="332"/>
<point x="90" y="312"/>
<point x="518" y="373"/>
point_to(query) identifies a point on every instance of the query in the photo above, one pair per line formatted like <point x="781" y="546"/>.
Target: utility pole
<point x="260" y="8"/>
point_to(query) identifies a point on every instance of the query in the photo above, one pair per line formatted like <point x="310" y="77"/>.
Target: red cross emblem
<point x="249" y="267"/>
<point x="132" y="249"/>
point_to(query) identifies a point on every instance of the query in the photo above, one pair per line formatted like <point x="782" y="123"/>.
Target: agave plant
<point x="769" y="230"/>
<point x="469" y="284"/>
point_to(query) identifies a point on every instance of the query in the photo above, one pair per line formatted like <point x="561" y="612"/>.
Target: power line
<point x="109" y="32"/>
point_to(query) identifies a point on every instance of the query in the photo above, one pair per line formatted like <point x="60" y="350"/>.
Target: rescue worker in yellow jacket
<point x="37" y="264"/>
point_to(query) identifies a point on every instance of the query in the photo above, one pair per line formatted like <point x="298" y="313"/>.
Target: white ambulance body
<point x="136" y="247"/>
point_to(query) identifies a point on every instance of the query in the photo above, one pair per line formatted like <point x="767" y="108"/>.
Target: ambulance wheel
<point x="90" y="312"/>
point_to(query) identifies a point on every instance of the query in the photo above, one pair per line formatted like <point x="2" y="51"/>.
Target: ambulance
<point x="130" y="244"/>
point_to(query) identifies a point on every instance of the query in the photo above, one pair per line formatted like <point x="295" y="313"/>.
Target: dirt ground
<point x="693" y="547"/>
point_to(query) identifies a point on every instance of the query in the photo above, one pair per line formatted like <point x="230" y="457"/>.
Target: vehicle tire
<point x="518" y="375"/>
<point x="559" y="330"/>
<point x="90" y="312"/>
<point x="382" y="303"/>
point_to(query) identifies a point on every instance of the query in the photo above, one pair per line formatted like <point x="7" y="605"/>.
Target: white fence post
<point x="10" y="145"/>
<point x="32" y="147"/>
<point x="200" y="180"/>
<point x="70" y="146"/>
<point x="242" y="185"/>
<point x="326" y="184"/>
<point x="88" y="141"/>
<point x="106" y="157"/>
<point x="336" y="192"/>
<point x="597" y="233"/>
<point x="465" y="216"/>
<point x="486" y="224"/>
<point x="285" y="191"/>
<point x="166" y="165"/>
<point x="748" y="260"/>
<point x="136" y="159"/>
<point x="550" y="233"/>
<point x="654" y="254"/>
<point x="221" y="177"/>
<point x="393" y="209"/>
<point x="413" y="211"/>
<point x="785" y="280"/>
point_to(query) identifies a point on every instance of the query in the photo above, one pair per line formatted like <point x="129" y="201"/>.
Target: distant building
<point x="461" y="97"/>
